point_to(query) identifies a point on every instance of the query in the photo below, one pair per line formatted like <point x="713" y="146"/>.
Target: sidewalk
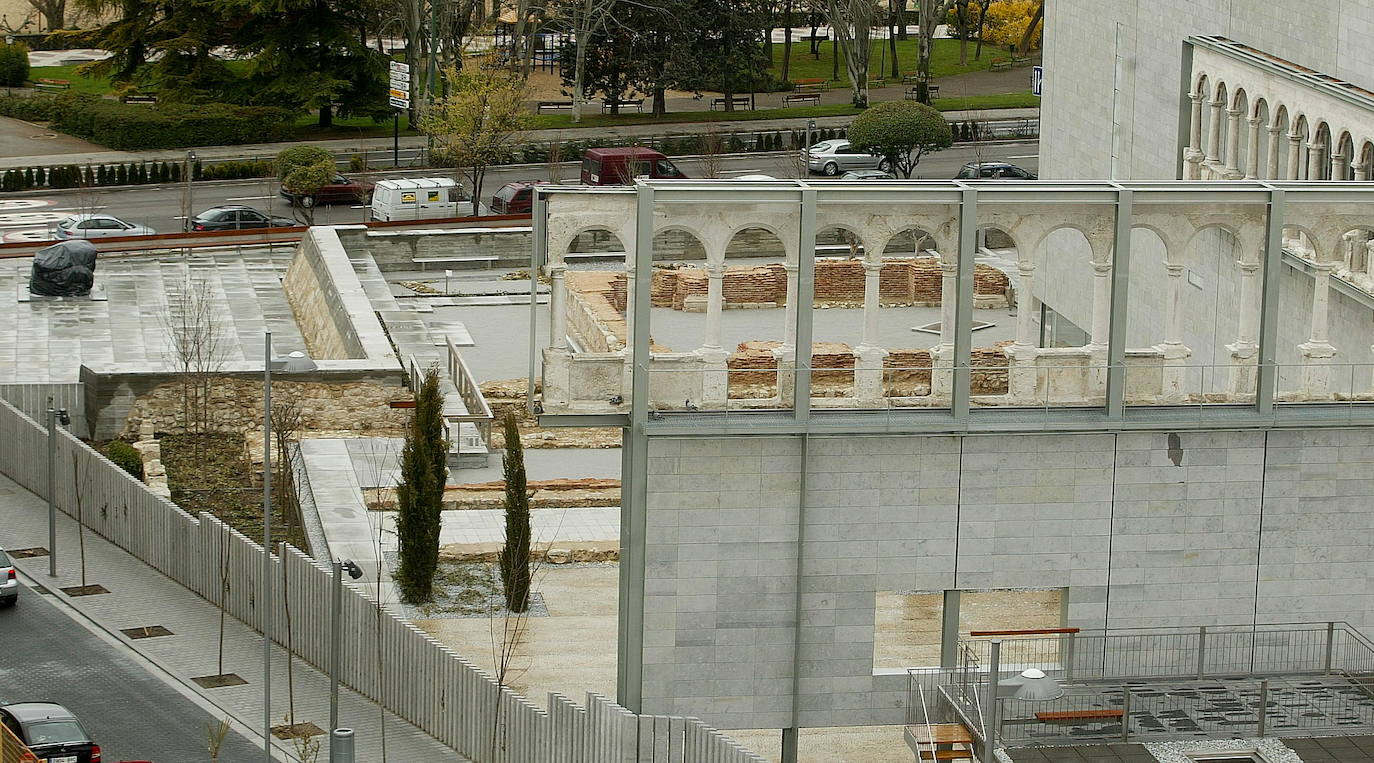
<point x="380" y="145"/>
<point x="141" y="596"/>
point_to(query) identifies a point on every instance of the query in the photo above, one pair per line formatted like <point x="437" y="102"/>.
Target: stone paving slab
<point x="50" y="341"/>
<point x="599" y="523"/>
<point x="140" y="595"/>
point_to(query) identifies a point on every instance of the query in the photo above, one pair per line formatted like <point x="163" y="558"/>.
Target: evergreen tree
<point x="122" y="174"/>
<point x="420" y="493"/>
<point x="515" y="555"/>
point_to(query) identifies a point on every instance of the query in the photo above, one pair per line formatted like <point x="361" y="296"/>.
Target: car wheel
<point x="832" y="169"/>
<point x="885" y="165"/>
<point x="307" y="201"/>
<point x="9" y="603"/>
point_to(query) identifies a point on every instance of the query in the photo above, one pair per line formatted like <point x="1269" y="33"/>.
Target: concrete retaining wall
<point x="332" y="309"/>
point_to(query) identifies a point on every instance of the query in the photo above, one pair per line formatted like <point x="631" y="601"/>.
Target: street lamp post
<point x="55" y="415"/>
<point x="296" y="362"/>
<point x="186" y="202"/>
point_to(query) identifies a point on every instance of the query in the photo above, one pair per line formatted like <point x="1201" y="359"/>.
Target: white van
<point x="419" y="199"/>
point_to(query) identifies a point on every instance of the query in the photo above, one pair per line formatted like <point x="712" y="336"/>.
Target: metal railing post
<point x="341" y="746"/>
<point x="1125" y="714"/>
<point x="52" y="490"/>
<point x="994" y="716"/>
<point x="1201" y="652"/>
<point x="1263" y="705"/>
<point x="1067" y="657"/>
<point x="1330" y="647"/>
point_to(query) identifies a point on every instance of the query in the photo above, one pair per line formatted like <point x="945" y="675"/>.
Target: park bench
<point x="913" y="93"/>
<point x="1073" y="716"/>
<point x="810" y="85"/>
<point x="1000" y="65"/>
<point x="911" y="78"/>
<point x="739" y="101"/>
<point x="555" y="106"/>
<point x="794" y="98"/>
<point x="877" y="80"/>
<point x="52" y="84"/>
<point x="138" y="98"/>
<point x="629" y="103"/>
<point x="1020" y="60"/>
<point x="487" y="260"/>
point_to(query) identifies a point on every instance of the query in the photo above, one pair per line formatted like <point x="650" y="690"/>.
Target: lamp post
<point x="296" y="362"/>
<point x="186" y="201"/>
<point x="55" y="416"/>
<point x="336" y="641"/>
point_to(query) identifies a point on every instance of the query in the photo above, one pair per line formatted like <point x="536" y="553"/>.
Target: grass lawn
<point x="944" y="60"/>
<point x="80" y="84"/>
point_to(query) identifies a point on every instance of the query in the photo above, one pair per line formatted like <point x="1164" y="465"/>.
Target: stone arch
<point x="594" y="238"/>
<point x="919" y="238"/>
<point x="1258" y="165"/>
<point x="1166" y="238"/>
<point x="995" y="234"/>
<point x="678" y="240"/>
<point x="1309" y="238"/>
<point x="754" y="241"/>
<point x="1345" y="149"/>
<point x="1223" y="136"/>
<point x="1367" y="158"/>
<point x="1259" y="109"/>
<point x="1201" y="85"/>
<point x="1301" y="128"/>
<point x="1321" y="143"/>
<point x="832" y="234"/>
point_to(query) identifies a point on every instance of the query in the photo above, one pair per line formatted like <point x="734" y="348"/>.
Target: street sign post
<point x="1037" y="80"/>
<point x="399" y="97"/>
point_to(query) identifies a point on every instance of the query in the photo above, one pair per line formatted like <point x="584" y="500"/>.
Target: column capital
<point x="872" y="268"/>
<point x="1247" y="268"/>
<point x="556" y="269"/>
<point x="1102" y="269"/>
<point x="949" y="268"/>
<point x="1175" y="269"/>
<point x="790" y="267"/>
<point x="1275" y="130"/>
<point x="1254" y="122"/>
<point x="715" y="269"/>
<point x="1197" y="98"/>
<point x="1315" y="146"/>
<point x="1295" y="138"/>
<point x="1025" y="267"/>
<point x="1234" y="113"/>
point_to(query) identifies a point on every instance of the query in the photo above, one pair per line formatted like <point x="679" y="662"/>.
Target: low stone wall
<point x="593" y="316"/>
<point x="907" y="373"/>
<point x="901" y="282"/>
<point x="334" y="314"/>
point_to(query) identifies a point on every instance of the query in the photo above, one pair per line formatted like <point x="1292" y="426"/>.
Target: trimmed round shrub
<point x="14" y="64"/>
<point x="125" y="456"/>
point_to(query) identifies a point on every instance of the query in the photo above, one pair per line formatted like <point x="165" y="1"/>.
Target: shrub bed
<point x="131" y="127"/>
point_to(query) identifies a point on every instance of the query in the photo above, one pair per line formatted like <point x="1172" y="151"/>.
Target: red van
<point x="619" y="166"/>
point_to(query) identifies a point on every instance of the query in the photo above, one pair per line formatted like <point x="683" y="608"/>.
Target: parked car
<point x="340" y="190"/>
<point x="831" y="157"/>
<point x="620" y="166"/>
<point x="515" y="198"/>
<point x="51" y="731"/>
<point x="9" y="582"/>
<point x="98" y="226"/>
<point x="237" y="217"/>
<point x="422" y="199"/>
<point x="868" y="175"/>
<point x="995" y="170"/>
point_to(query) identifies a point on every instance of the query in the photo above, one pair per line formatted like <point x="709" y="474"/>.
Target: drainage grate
<point x="27" y="553"/>
<point x="147" y="631"/>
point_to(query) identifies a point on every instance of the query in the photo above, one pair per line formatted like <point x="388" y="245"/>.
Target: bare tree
<point x="287" y="420"/>
<point x="54" y="12"/>
<point x="712" y="150"/>
<point x="587" y="18"/>
<point x="79" y="488"/>
<point x="555" y="161"/>
<point x="223" y="595"/>
<point x="195" y="336"/>
<point x="851" y="21"/>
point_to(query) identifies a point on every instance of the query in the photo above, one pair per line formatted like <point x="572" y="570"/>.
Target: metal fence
<point x="386" y="659"/>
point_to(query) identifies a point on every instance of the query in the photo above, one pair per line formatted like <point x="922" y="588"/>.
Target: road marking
<point x="1027" y="156"/>
<point x="741" y="172"/>
<point x="29" y="219"/>
<point x="28" y="234"/>
<point x="78" y="209"/>
<point x="9" y="204"/>
<point x="248" y="198"/>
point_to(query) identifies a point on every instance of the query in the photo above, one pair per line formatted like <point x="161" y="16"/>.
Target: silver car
<point x="9" y="583"/>
<point x="98" y="226"/>
<point x="831" y="157"/>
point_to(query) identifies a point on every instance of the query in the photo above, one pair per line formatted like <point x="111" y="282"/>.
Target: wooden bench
<point x="1074" y="716"/>
<point x="877" y="80"/>
<point x="911" y="78"/>
<point x="487" y="260"/>
<point x="739" y="101"/>
<point x="1020" y="60"/>
<point x="812" y="98"/>
<point x="636" y="103"/>
<point x="52" y="84"/>
<point x="555" y="105"/>
<point x="810" y="85"/>
<point x="1000" y="65"/>
<point x="946" y="754"/>
<point x="138" y="99"/>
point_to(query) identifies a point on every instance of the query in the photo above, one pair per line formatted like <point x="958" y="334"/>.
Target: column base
<point x="942" y="372"/>
<point x="786" y="359"/>
<point x="1172" y="373"/>
<point x="715" y="381"/>
<point x="1316" y="371"/>
<point x="1023" y="374"/>
<point x="556" y="380"/>
<point x="1192" y="164"/>
<point x="868" y="376"/>
<point x="1244" y="368"/>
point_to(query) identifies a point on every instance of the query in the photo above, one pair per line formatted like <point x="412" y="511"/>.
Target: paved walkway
<point x="141" y="596"/>
<point x="557" y="526"/>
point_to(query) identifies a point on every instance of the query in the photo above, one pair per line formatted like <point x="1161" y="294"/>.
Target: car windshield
<point x="4" y="560"/>
<point x="55" y="732"/>
<point x="506" y="193"/>
<point x="67" y="222"/>
<point x="822" y="146"/>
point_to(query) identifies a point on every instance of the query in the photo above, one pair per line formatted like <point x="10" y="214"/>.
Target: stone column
<point x="558" y="305"/>
<point x="1361" y="171"/>
<point x="1172" y="349"/>
<point x="627" y="352"/>
<point x="1095" y="376"/>
<point x="942" y="354"/>
<point x="1023" y="375"/>
<point x="869" y="355"/>
<point x="1294" y="156"/>
<point x="1314" y="161"/>
<point x="1271" y="170"/>
<point x="1338" y="171"/>
<point x="786" y="355"/>
<point x="715" y="381"/>
<point x="1317" y="352"/>
<point x="1252" y="168"/>
<point x="1369" y="259"/>
<point x="1213" y="158"/>
<point x="1192" y="153"/>
<point x="1233" y="145"/>
<point x="557" y="358"/>
<point x="1244" y="351"/>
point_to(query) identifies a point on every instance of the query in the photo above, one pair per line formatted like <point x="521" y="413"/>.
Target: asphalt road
<point x="132" y="714"/>
<point x="30" y="216"/>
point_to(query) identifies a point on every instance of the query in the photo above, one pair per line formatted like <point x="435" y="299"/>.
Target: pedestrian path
<point x="140" y="596"/>
<point x="547" y="526"/>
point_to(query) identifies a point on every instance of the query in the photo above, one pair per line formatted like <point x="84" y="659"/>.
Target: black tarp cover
<point x="65" y="269"/>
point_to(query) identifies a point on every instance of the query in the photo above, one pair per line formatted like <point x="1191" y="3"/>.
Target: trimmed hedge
<point x="14" y="65"/>
<point x="131" y="127"/>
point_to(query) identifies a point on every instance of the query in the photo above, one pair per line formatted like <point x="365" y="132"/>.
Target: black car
<point x="51" y="731"/>
<point x="995" y="171"/>
<point x="238" y="217"/>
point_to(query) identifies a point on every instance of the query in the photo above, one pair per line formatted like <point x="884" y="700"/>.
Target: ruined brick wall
<point x="753" y="366"/>
<point x="595" y="309"/>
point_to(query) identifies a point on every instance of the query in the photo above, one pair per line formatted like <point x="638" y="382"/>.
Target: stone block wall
<point x="1140" y="528"/>
<point x="907" y="375"/>
<point x="335" y="316"/>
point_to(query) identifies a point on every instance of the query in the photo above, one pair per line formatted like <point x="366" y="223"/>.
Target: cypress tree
<point x="515" y="555"/>
<point x="176" y="172"/>
<point x="420" y="493"/>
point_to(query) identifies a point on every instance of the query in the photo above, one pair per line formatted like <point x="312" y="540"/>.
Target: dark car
<point x="340" y="190"/>
<point x="237" y="217"/>
<point x="515" y="198"/>
<point x="51" y="731"/>
<point x="9" y="582"/>
<point x="995" y="171"/>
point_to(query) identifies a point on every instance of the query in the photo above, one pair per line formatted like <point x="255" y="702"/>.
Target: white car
<point x="831" y="157"/>
<point x="98" y="226"/>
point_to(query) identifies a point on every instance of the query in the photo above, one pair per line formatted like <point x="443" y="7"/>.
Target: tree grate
<point x="146" y="631"/>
